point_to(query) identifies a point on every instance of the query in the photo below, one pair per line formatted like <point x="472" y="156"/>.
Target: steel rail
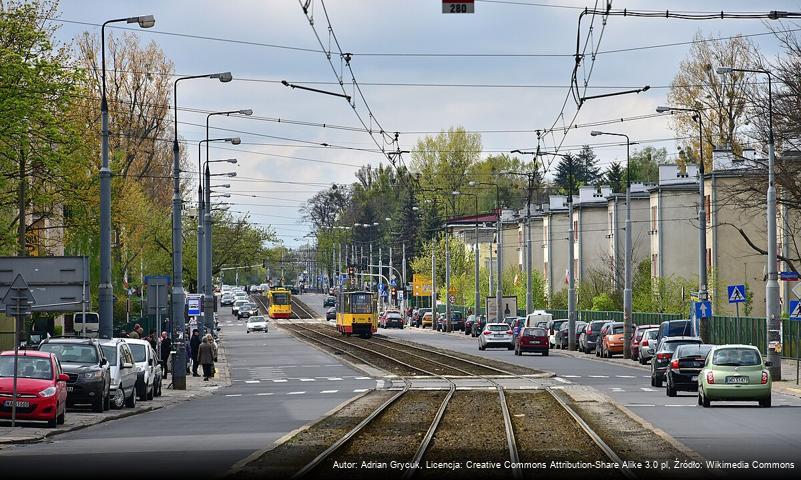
<point x="510" y="436"/>
<point x="421" y="450"/>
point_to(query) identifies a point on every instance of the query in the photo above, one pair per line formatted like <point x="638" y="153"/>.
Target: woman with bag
<point x="206" y="356"/>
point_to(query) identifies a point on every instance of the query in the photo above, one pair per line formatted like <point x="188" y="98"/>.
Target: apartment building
<point x="590" y="244"/>
<point x="554" y="244"/>
<point x="616" y="230"/>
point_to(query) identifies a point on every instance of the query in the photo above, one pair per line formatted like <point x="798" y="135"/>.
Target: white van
<point x="86" y="324"/>
<point x="538" y="316"/>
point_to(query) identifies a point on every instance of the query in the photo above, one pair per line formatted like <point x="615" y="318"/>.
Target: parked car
<point x="123" y="373"/>
<point x="647" y="346"/>
<point x="613" y="340"/>
<point x="331" y="313"/>
<point x="237" y="305"/>
<point x="468" y="324"/>
<point x="247" y="310"/>
<point x="687" y="362"/>
<point x="427" y="320"/>
<point x="496" y="335"/>
<point x="674" y="328"/>
<point x="664" y="354"/>
<point x="391" y="318"/>
<point x="532" y="339"/>
<point x="457" y="322"/>
<point x="734" y="373"/>
<point x="562" y="337"/>
<point x="329" y="302"/>
<point x="599" y="340"/>
<point x="517" y="324"/>
<point x="553" y="327"/>
<point x="41" y="387"/>
<point x="478" y="326"/>
<point x="417" y="318"/>
<point x="148" y="369"/>
<point x="82" y="359"/>
<point x="634" y="348"/>
<point x="256" y="323"/>
<point x="589" y="336"/>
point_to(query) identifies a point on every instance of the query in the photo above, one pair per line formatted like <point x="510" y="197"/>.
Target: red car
<point x="532" y="339"/>
<point x="41" y="387"/>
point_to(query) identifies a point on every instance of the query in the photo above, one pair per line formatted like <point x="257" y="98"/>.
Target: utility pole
<point x="389" y="274"/>
<point x="403" y="273"/>
<point x="571" y="275"/>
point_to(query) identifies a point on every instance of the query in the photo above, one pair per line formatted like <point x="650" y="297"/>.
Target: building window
<point x="611" y="224"/>
<point x="545" y="270"/>
<point x="708" y="259"/>
<point x="575" y="230"/>
<point x="707" y="205"/>
<point x="654" y="264"/>
<point x="653" y="218"/>
<point x="545" y="234"/>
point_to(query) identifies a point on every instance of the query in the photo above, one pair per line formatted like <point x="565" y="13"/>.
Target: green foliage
<point x="584" y="167"/>
<point x="645" y="163"/>
<point x="559" y="300"/>
<point x="615" y="177"/>
<point x="604" y="303"/>
<point x="663" y="295"/>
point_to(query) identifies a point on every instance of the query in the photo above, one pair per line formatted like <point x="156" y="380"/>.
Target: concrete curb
<point x="240" y="465"/>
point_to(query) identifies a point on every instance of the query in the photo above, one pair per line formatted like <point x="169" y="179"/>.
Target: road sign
<point x="421" y="286"/>
<point x="452" y="298"/>
<point x="789" y="276"/>
<point x="458" y="6"/>
<point x="795" y="310"/>
<point x="797" y="290"/>
<point x="18" y="299"/>
<point x="193" y="304"/>
<point x="59" y="284"/>
<point x="703" y="309"/>
<point x="736" y="293"/>
<point x="400" y="295"/>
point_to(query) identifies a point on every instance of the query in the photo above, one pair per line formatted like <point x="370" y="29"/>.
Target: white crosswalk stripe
<point x="360" y="390"/>
<point x="295" y="393"/>
<point x="329" y="391"/>
<point x="646" y="389"/>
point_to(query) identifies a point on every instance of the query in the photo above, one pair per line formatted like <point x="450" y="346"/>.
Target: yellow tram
<point x="279" y="303"/>
<point x="357" y="313"/>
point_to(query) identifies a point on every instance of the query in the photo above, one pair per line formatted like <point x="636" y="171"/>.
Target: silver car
<point x="123" y="372"/>
<point x="237" y="305"/>
<point x="148" y="369"/>
<point x="496" y="335"/>
<point x="647" y="345"/>
<point x="256" y="323"/>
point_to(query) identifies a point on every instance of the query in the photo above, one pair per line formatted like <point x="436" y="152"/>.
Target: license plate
<point x="498" y="336"/>
<point x="8" y="404"/>
<point x="69" y="389"/>
<point x="694" y="378"/>
<point x="738" y="380"/>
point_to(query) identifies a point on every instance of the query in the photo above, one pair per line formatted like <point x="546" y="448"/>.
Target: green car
<point x="734" y="373"/>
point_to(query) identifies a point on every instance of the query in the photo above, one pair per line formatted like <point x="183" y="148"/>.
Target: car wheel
<point x="699" y="397"/>
<point x="765" y="403"/>
<point x="151" y="393"/>
<point x="107" y="401"/>
<point x="510" y="347"/>
<point x="545" y="353"/>
<point x="670" y="391"/>
<point x="130" y="402"/>
<point x="62" y="417"/>
<point x="53" y="422"/>
<point x="481" y="347"/>
<point x="97" y="404"/>
<point x="653" y="381"/>
<point x="157" y="389"/>
<point x="639" y="359"/>
<point x="118" y="400"/>
<point x="705" y="401"/>
<point x="658" y="382"/>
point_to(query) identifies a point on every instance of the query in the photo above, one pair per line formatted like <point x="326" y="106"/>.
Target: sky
<point x="503" y="71"/>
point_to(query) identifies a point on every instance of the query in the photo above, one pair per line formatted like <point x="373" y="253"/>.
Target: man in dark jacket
<point x="206" y="356"/>
<point x="166" y="346"/>
<point x="194" y="345"/>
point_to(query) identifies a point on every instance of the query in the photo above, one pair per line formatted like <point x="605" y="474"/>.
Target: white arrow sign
<point x="703" y="309"/>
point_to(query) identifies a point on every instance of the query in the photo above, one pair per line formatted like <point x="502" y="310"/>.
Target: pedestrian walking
<point x="135" y="332"/>
<point x="166" y="347"/>
<point x="194" y="345"/>
<point x="206" y="356"/>
<point x="151" y="337"/>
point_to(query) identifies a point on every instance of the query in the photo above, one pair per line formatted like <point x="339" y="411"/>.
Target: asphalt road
<point x="728" y="431"/>
<point x="278" y="385"/>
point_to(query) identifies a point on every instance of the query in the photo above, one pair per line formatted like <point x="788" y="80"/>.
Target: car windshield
<point x="256" y="319"/>
<point x="672" y="346"/>
<point x="693" y="350"/>
<point x="596" y="326"/>
<point x="498" y="328"/>
<point x="651" y="334"/>
<point x="110" y="352"/>
<point x="27" y="367"/>
<point x="616" y="330"/>
<point x="138" y="351"/>
<point x="557" y="324"/>
<point x="534" y="332"/>
<point x="679" y="328"/>
<point x="736" y="357"/>
<point x="361" y="302"/>
<point x="393" y="315"/>
<point x="68" y="353"/>
<point x="280" y="299"/>
<point x="239" y="303"/>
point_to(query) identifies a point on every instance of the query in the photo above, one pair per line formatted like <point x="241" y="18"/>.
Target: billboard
<point x="508" y="308"/>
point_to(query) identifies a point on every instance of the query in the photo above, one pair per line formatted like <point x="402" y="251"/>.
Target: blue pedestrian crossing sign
<point x="703" y="309"/>
<point x="795" y="310"/>
<point x="736" y="293"/>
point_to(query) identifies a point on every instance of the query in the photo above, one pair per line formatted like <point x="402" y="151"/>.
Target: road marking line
<point x="571" y="376"/>
<point x="617" y="389"/>
<point x="329" y="391"/>
<point x="561" y="380"/>
<point x="363" y="378"/>
<point x="360" y="390"/>
<point x="675" y="405"/>
<point x="264" y="394"/>
<point x="295" y="393"/>
<point x="599" y="376"/>
<point x="279" y="380"/>
<point x="334" y="379"/>
<point x="234" y="395"/>
<point x="647" y="389"/>
<point x="252" y="381"/>
<point x="639" y="405"/>
<point x="306" y="379"/>
<point x="624" y="376"/>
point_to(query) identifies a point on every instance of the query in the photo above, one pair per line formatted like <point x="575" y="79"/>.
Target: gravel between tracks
<point x="471" y="430"/>
<point x="289" y="457"/>
<point x="394" y="436"/>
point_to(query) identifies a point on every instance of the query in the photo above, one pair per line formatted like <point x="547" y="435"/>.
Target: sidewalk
<point x="31" y="432"/>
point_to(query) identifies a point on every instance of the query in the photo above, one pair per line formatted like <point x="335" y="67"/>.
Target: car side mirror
<point x="127" y="365"/>
<point x="63" y="377"/>
<point x="151" y="362"/>
<point x="768" y="364"/>
<point x="103" y="362"/>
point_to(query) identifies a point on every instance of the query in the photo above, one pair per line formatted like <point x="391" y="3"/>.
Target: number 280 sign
<point x="454" y="6"/>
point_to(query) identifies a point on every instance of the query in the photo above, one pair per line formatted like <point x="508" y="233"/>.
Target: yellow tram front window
<point x="280" y="299"/>
<point x="361" y="303"/>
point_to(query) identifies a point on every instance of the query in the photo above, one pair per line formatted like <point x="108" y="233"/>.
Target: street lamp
<point x="627" y="301"/>
<point x="499" y="256"/>
<point x="178" y="295"/>
<point x="477" y="293"/>
<point x="772" y="301"/>
<point x="702" y="273"/>
<point x="106" y="287"/>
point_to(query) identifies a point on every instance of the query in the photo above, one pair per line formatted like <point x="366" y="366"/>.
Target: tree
<point x="723" y="100"/>
<point x="615" y="177"/>
<point x="644" y="164"/>
<point x="584" y="167"/>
